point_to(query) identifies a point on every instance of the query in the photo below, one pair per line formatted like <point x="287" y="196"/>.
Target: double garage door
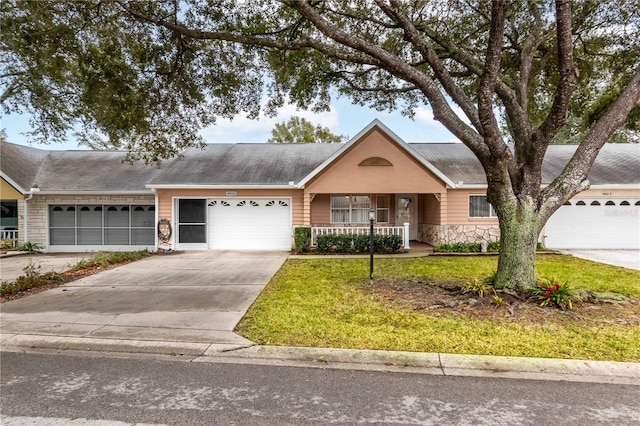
<point x="235" y="223"/>
<point x="595" y="224"/>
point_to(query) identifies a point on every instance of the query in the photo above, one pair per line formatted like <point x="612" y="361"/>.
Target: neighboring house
<point x="251" y="196"/>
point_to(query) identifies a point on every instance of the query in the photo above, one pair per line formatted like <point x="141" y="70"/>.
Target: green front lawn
<point x="325" y="303"/>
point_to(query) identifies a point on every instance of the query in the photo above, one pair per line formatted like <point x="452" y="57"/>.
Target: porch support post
<point x="306" y="208"/>
<point x="405" y="236"/>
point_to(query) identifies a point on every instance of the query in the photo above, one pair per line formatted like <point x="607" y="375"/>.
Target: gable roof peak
<point x="376" y="123"/>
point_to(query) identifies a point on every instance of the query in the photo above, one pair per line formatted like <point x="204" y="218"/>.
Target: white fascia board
<point x="471" y="186"/>
<point x="13" y="183"/>
<point x="616" y="186"/>
<point x="226" y="186"/>
<point x="397" y="139"/>
<point x="603" y="186"/>
<point x="54" y="192"/>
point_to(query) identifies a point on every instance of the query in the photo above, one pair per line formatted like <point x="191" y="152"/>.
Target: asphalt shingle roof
<point x="245" y="164"/>
<point x="265" y="164"/>
<point x="21" y="163"/>
<point x="93" y="171"/>
<point x="616" y="163"/>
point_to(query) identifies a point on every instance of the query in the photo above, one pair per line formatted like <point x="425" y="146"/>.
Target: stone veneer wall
<point x="37" y="209"/>
<point x="447" y="234"/>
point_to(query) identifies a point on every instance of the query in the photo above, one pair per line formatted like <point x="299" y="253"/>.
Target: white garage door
<point x="249" y="223"/>
<point x="595" y="224"/>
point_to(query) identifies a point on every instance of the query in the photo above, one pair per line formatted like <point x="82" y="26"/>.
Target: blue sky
<point x="344" y="118"/>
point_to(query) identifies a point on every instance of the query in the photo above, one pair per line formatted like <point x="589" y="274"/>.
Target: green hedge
<point x="352" y="243"/>
<point x="302" y="238"/>
<point x="470" y="247"/>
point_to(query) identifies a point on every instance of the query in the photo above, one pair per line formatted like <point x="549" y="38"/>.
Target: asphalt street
<point x="39" y="389"/>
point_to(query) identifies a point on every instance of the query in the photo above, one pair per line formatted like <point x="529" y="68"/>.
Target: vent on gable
<point x="375" y="161"/>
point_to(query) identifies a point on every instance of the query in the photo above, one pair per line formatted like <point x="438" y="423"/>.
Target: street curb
<point x="608" y="372"/>
<point x="454" y="364"/>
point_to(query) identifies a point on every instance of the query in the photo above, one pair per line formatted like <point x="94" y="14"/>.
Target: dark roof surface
<point x="266" y="164"/>
<point x="21" y="163"/>
<point x="454" y="160"/>
<point x="616" y="163"/>
<point x="93" y="171"/>
<point x="245" y="164"/>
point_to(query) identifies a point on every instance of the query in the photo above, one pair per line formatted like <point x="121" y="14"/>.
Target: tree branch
<point x="557" y="116"/>
<point x="489" y="78"/>
<point x="251" y="40"/>
<point x="573" y="178"/>
<point x="428" y="53"/>
<point x="398" y="68"/>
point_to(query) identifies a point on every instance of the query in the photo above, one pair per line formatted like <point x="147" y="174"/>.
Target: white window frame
<point x="492" y="212"/>
<point x="350" y="209"/>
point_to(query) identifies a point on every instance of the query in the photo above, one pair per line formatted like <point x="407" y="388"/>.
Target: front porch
<point x="398" y="214"/>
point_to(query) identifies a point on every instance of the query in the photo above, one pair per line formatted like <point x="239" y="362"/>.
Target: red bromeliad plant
<point x="550" y="290"/>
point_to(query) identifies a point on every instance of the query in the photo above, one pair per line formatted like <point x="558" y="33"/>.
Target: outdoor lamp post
<point x="372" y="217"/>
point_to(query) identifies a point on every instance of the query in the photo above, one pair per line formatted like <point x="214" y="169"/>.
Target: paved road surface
<point x="67" y="390"/>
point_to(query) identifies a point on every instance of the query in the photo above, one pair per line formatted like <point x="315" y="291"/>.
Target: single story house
<point x="252" y="196"/>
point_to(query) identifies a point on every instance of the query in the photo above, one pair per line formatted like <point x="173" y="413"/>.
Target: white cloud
<point x="425" y="116"/>
<point x="244" y="130"/>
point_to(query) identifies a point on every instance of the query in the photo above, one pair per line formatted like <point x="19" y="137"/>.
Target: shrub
<point x="353" y="243"/>
<point x="32" y="278"/>
<point x="7" y="243"/>
<point x="493" y="246"/>
<point x="552" y="291"/>
<point x="457" y="248"/>
<point x="302" y="238"/>
<point x="478" y="286"/>
<point x="30" y="247"/>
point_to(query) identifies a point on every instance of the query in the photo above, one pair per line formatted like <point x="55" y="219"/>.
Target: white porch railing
<point x="402" y="231"/>
<point x="9" y="234"/>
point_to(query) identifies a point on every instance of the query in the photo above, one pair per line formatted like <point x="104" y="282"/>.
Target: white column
<point x="405" y="236"/>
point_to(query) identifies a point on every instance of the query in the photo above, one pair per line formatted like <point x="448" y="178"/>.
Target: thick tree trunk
<point x="519" y="231"/>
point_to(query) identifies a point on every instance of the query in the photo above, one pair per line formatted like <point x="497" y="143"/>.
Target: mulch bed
<point x="446" y="298"/>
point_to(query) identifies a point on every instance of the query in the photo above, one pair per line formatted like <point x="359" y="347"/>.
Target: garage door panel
<point x="249" y="224"/>
<point x="595" y="226"/>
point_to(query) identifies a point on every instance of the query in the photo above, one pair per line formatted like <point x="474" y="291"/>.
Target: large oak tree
<point x="146" y="75"/>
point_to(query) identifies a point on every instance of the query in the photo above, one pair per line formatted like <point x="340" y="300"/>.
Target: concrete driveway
<point x="190" y="300"/>
<point x="629" y="258"/>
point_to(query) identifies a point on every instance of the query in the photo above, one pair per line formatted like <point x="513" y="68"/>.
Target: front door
<point x="407" y="211"/>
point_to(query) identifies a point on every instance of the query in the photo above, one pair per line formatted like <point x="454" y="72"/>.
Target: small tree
<point x="300" y="130"/>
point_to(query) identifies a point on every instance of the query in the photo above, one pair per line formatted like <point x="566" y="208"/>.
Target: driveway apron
<point x="189" y="298"/>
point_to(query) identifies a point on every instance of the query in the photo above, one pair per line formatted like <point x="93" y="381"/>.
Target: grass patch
<point x="327" y="303"/>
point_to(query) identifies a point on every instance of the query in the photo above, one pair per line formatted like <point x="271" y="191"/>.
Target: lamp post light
<point x="372" y="217"/>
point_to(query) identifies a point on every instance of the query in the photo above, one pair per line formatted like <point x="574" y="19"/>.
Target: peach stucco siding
<point x="404" y="175"/>
<point x="458" y="208"/>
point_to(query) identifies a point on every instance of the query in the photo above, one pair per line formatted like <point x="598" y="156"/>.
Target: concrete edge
<point x="15" y="343"/>
<point x="607" y="372"/>
<point x="452" y="364"/>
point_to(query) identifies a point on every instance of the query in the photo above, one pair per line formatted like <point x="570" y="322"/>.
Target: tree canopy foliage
<point x="146" y="75"/>
<point x="300" y="130"/>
